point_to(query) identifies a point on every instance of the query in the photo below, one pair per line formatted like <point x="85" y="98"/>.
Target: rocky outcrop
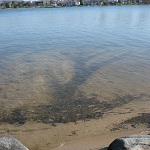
<point x="8" y="143"/>
<point x="132" y="142"/>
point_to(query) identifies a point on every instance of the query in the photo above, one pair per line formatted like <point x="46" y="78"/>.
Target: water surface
<point x="75" y="57"/>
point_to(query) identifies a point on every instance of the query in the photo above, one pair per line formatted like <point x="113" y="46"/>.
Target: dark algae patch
<point x="75" y="109"/>
<point x="66" y="110"/>
<point x="15" y="116"/>
<point x="143" y="118"/>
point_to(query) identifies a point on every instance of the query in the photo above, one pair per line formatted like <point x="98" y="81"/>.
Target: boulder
<point x="132" y="142"/>
<point x="9" y="143"/>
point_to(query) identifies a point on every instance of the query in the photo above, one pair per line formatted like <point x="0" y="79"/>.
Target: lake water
<point x="79" y="57"/>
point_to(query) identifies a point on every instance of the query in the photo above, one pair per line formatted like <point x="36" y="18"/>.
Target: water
<point x="66" y="57"/>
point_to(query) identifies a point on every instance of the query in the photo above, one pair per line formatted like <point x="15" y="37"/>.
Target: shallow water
<point x="63" y="56"/>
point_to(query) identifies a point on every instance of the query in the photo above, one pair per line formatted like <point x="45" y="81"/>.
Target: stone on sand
<point x="9" y="143"/>
<point x="132" y="142"/>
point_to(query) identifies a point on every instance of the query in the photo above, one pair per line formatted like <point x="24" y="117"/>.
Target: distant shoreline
<point x="49" y="6"/>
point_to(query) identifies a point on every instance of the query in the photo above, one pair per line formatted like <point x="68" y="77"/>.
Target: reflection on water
<point x="79" y="58"/>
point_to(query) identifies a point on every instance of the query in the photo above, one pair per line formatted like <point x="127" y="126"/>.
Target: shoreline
<point x="74" y="6"/>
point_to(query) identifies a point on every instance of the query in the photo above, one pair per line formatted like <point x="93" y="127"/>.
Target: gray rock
<point x="105" y="148"/>
<point x="132" y="142"/>
<point x="8" y="143"/>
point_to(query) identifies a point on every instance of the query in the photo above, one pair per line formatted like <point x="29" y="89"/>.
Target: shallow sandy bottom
<point x="84" y="135"/>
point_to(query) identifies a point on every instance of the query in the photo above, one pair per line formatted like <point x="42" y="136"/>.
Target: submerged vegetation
<point x="143" y="118"/>
<point x="63" y="111"/>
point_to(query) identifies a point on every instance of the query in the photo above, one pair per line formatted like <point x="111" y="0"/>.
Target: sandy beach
<point x="83" y="135"/>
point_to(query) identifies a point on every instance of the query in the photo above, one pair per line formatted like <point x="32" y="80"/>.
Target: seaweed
<point x="143" y="118"/>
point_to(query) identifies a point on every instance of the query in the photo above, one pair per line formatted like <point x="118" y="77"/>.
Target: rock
<point x="132" y="142"/>
<point x="105" y="148"/>
<point x="8" y="143"/>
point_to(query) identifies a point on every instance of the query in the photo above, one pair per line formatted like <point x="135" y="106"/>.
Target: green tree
<point x="7" y="5"/>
